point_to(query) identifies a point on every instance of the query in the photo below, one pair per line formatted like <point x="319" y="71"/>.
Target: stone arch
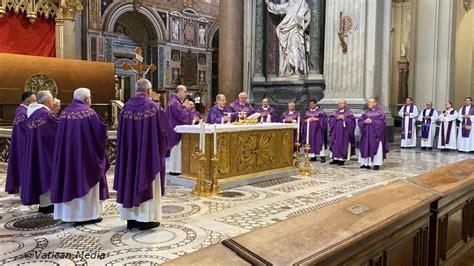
<point x="212" y="32"/>
<point x="113" y="13"/>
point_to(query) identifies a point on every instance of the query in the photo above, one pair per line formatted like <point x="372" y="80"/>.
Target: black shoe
<point x="376" y="167"/>
<point x="323" y="159"/>
<point x="430" y="148"/>
<point x="340" y="163"/>
<point x="147" y="226"/>
<point x="132" y="224"/>
<point x="365" y="167"/>
<point x="423" y="148"/>
<point x="94" y="221"/>
<point x="46" y="210"/>
<point x="334" y="162"/>
<point x="313" y="159"/>
<point x="175" y="174"/>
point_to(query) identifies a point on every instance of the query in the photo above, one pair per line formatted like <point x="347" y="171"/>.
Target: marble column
<point x="316" y="38"/>
<point x="66" y="30"/>
<point x="230" y="48"/>
<point x="259" y="41"/>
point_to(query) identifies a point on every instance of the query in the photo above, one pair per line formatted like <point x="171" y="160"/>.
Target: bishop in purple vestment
<point x="318" y="124"/>
<point x="267" y="113"/>
<point x="219" y="114"/>
<point x="139" y="171"/>
<point x="291" y="116"/>
<point x="14" y="171"/>
<point x="80" y="162"/>
<point x="38" y="153"/>
<point x="178" y="112"/>
<point x="373" y="140"/>
<point x="241" y="105"/>
<point x="342" y="125"/>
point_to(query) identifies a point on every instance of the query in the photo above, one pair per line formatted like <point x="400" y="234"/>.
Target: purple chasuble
<point x="177" y="115"/>
<point x="15" y="168"/>
<point x="80" y="155"/>
<point x="372" y="134"/>
<point x="342" y="133"/>
<point x="38" y="155"/>
<point x="317" y="130"/>
<point x="270" y="112"/>
<point x="141" y="147"/>
<point x="410" y="122"/>
<point x="425" y="127"/>
<point x="236" y="107"/>
<point x="196" y="115"/>
<point x="293" y="116"/>
<point x="445" y="139"/>
<point x="216" y="114"/>
<point x="466" y="123"/>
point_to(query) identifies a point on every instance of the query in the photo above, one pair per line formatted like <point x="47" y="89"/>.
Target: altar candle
<point x="200" y="136"/>
<point x="307" y="132"/>
<point x="298" y="131"/>
<point x="203" y="138"/>
<point x="215" y="140"/>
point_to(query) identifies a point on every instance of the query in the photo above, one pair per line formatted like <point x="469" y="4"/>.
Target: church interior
<point x="257" y="175"/>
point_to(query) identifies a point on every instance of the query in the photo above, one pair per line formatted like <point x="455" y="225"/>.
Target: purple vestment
<point x="294" y="116"/>
<point x="342" y="133"/>
<point x="425" y="127"/>
<point x="141" y="147"/>
<point x="216" y="113"/>
<point x="38" y="155"/>
<point x="177" y="115"/>
<point x="236" y="107"/>
<point x="80" y="155"/>
<point x="196" y="115"/>
<point x="372" y="134"/>
<point x="317" y="130"/>
<point x="466" y="123"/>
<point x="270" y="112"/>
<point x="14" y="172"/>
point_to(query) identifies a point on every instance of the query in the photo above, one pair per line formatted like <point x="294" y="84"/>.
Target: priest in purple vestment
<point x="241" y="105"/>
<point x="267" y="113"/>
<point x="291" y="116"/>
<point x="15" y="167"/>
<point x="178" y="112"/>
<point x="219" y="114"/>
<point x="196" y="115"/>
<point x="466" y="133"/>
<point x="373" y="141"/>
<point x="38" y="153"/>
<point x="317" y="130"/>
<point x="140" y="168"/>
<point x="80" y="162"/>
<point x="342" y="125"/>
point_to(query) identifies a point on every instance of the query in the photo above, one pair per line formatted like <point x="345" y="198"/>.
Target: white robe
<point x="429" y="141"/>
<point x="45" y="199"/>
<point x="465" y="144"/>
<point x="409" y="142"/>
<point x="148" y="211"/>
<point x="378" y="158"/>
<point x="173" y="163"/>
<point x="88" y="207"/>
<point x="445" y="119"/>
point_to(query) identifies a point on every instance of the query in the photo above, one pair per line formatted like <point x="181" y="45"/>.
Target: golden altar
<point x="243" y="151"/>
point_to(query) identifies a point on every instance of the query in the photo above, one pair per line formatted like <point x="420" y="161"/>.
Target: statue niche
<point x="293" y="36"/>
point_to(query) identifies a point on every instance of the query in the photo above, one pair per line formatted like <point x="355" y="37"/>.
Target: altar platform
<point x="246" y="154"/>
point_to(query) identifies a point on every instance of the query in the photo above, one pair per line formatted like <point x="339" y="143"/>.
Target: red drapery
<point x="19" y="36"/>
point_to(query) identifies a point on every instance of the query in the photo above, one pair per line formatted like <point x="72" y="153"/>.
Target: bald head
<point x="243" y="97"/>
<point x="291" y="106"/>
<point x="372" y="102"/>
<point x="182" y="92"/>
<point x="265" y="102"/>
<point x="342" y="104"/>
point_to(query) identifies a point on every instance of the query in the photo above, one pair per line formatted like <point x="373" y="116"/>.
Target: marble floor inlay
<point x="191" y="223"/>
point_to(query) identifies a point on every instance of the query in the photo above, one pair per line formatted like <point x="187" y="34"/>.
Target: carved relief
<point x="39" y="82"/>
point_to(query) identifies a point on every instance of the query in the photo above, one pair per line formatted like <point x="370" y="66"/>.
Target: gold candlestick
<point x="296" y="155"/>
<point x="215" y="187"/>
<point x="200" y="186"/>
<point x="307" y="170"/>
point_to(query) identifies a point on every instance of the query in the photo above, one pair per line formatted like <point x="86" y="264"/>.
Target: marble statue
<point x="202" y="35"/>
<point x="292" y="36"/>
<point x="175" y="29"/>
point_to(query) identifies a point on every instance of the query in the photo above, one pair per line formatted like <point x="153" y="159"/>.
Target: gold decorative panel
<point x="241" y="153"/>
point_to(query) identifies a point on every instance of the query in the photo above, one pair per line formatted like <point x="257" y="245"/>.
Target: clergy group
<point x="58" y="158"/>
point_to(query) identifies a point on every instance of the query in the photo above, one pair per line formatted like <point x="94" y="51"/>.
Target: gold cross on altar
<point x="139" y="69"/>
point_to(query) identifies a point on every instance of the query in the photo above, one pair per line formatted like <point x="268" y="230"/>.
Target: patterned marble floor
<point x="191" y="223"/>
